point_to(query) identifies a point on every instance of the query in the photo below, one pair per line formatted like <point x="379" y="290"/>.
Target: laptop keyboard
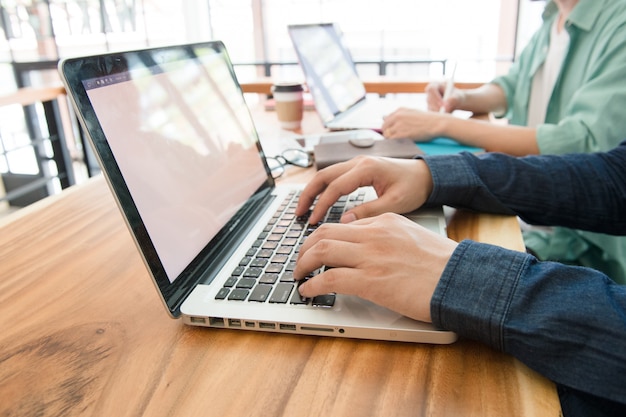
<point x="265" y="273"/>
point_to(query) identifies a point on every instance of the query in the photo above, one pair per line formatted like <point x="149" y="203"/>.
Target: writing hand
<point x="435" y="92"/>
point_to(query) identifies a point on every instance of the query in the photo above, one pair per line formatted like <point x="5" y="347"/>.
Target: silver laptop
<point x="338" y="92"/>
<point x="179" y="150"/>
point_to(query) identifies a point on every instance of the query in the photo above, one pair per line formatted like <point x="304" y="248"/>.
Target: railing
<point x="381" y="63"/>
<point x="22" y="189"/>
<point x="21" y="69"/>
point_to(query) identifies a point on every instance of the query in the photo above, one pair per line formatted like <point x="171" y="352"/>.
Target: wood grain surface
<point x="83" y="333"/>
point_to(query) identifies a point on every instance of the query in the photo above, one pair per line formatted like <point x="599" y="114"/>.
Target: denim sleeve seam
<point x="512" y="290"/>
<point x="449" y="271"/>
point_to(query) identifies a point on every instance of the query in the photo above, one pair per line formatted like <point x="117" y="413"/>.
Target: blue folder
<point x="443" y="146"/>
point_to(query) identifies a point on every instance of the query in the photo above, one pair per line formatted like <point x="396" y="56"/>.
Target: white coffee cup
<point x="289" y="104"/>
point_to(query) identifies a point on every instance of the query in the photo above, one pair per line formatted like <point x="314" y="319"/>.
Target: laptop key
<point x="265" y="253"/>
<point x="326" y="300"/>
<point x="238" y="294"/>
<point x="281" y="293"/>
<point x="287" y="276"/>
<point x="269" y="245"/>
<point x="246" y="283"/>
<point x="280" y="259"/>
<point x="259" y="262"/>
<point x="297" y="299"/>
<point x="260" y="293"/>
<point x="284" y="250"/>
<point x="274" y="237"/>
<point x="281" y="230"/>
<point x="238" y="271"/>
<point x="274" y="268"/>
<point x="298" y="227"/>
<point x="222" y="293"/>
<point x="230" y="282"/>
<point x="253" y="272"/>
<point x="268" y="278"/>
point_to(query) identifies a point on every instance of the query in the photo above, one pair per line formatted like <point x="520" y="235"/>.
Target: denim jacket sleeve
<point x="582" y="191"/>
<point x="568" y="323"/>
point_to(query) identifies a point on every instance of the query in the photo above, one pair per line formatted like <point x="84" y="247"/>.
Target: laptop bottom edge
<point x="429" y="336"/>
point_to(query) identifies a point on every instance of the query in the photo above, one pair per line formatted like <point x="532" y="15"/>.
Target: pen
<point x="449" y="87"/>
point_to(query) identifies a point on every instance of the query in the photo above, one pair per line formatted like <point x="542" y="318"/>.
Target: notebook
<point x="329" y="153"/>
<point x="181" y="155"/>
<point x="330" y="73"/>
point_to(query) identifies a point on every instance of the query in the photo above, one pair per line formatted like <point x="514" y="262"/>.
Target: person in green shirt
<point x="565" y="93"/>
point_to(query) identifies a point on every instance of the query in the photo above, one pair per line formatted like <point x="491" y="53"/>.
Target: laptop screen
<point x="176" y="140"/>
<point x="328" y="68"/>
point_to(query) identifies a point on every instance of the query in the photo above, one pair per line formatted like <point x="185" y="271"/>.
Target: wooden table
<point x="84" y="334"/>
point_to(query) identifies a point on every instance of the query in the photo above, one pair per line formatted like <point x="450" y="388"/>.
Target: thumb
<point x="450" y="104"/>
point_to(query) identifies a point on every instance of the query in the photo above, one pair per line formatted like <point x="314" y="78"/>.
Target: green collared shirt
<point x="587" y="109"/>
<point x="586" y="113"/>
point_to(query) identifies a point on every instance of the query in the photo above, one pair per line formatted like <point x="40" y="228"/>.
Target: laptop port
<point x="234" y="323"/>
<point x="197" y="320"/>
<point x="287" y="327"/>
<point x="216" y="321"/>
<point x="250" y="324"/>
<point x="267" y="325"/>
<point x="317" y="329"/>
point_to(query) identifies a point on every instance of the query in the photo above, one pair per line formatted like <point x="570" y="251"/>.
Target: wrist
<point x="424" y="180"/>
<point x="443" y="126"/>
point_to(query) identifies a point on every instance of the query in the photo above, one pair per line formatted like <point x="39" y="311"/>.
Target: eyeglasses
<point x="296" y="157"/>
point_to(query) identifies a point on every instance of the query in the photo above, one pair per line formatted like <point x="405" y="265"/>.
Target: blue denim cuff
<point x="454" y="180"/>
<point x="475" y="290"/>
